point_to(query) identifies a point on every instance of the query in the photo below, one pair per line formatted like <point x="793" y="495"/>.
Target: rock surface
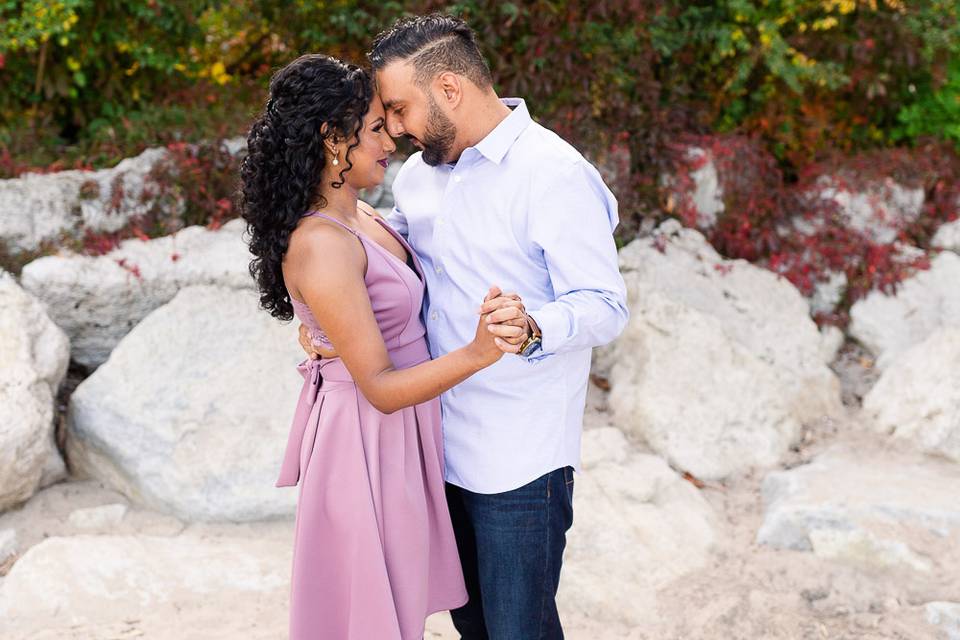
<point x="704" y="330"/>
<point x="879" y="209"/>
<point x="706" y="196"/>
<point x="948" y="237"/>
<point x="78" y="579"/>
<point x="98" y="299"/>
<point x="888" y="325"/>
<point x="191" y="412"/>
<point x="34" y="354"/>
<point x="876" y="510"/>
<point x="638" y="527"/>
<point x="946" y="616"/>
<point x="41" y="207"/>
<point x="737" y="589"/>
<point x="917" y="398"/>
<point x="103" y="517"/>
<point x="8" y="543"/>
<point x="124" y="582"/>
<point x="46" y="208"/>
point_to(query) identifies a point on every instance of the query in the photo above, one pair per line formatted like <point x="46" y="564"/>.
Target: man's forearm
<point x="580" y="320"/>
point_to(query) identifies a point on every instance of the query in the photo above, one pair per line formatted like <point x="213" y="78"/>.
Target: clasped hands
<point x="504" y="315"/>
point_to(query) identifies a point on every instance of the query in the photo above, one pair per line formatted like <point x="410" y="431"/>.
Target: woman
<point x="374" y="551"/>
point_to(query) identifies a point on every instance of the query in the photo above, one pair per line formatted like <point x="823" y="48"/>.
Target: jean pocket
<point x="568" y="476"/>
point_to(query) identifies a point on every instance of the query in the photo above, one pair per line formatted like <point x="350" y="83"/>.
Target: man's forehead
<point x="395" y="82"/>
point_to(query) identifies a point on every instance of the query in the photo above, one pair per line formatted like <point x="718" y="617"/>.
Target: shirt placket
<point x="441" y="247"/>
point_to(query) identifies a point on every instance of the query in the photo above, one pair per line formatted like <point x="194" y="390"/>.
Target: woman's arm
<point x="504" y="313"/>
<point x="338" y="298"/>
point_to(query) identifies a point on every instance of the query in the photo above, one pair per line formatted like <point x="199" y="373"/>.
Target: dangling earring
<point x="336" y="158"/>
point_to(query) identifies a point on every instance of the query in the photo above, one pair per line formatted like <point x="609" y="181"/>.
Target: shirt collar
<point x="496" y="143"/>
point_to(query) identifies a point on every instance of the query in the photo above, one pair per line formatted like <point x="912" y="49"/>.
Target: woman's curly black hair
<point x="280" y="175"/>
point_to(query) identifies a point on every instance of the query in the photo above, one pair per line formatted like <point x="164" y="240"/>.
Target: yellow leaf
<point x="825" y="24"/>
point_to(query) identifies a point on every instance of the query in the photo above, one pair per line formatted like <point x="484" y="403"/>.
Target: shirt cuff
<point x="553" y="329"/>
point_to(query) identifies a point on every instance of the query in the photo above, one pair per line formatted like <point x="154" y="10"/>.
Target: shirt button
<point x="434" y="315"/>
<point x="439" y="269"/>
<point x="457" y="178"/>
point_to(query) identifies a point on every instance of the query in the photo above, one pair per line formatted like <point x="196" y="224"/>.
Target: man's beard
<point x="439" y="135"/>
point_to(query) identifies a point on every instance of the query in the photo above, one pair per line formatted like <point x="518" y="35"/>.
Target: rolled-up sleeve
<point x="571" y="222"/>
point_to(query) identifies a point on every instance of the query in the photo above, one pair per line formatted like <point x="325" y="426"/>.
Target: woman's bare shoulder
<point x="316" y="239"/>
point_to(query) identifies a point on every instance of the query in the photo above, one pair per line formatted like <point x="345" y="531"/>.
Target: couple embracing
<point x="438" y="428"/>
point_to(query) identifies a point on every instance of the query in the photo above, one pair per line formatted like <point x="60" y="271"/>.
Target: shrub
<point x="809" y="76"/>
<point x="789" y="228"/>
<point x="791" y="84"/>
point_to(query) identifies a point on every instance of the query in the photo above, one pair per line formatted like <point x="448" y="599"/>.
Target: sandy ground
<point x="745" y="591"/>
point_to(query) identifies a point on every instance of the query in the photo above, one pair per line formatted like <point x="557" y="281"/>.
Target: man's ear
<point x="450" y="87"/>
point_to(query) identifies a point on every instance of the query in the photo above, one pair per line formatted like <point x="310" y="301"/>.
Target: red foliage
<point x="98" y="244"/>
<point x="788" y="227"/>
<point x="131" y="268"/>
<point x="12" y="167"/>
<point x="194" y="179"/>
<point x="180" y="191"/>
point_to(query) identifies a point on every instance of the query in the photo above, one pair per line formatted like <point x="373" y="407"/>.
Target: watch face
<point x="532" y="348"/>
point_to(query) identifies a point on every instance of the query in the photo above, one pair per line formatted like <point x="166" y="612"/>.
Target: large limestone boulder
<point x="41" y="207"/>
<point x="37" y="208"/>
<point x="947" y="237"/>
<point x="918" y="396"/>
<point x="98" y="299"/>
<point x="697" y="397"/>
<point x="720" y="363"/>
<point x="888" y="325"/>
<point x="638" y="526"/>
<point x="79" y="580"/>
<point x="34" y="354"/>
<point x="191" y="412"/>
<point x="873" y="508"/>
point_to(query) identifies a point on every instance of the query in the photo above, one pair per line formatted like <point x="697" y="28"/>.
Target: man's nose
<point x="388" y="144"/>
<point x="394" y="126"/>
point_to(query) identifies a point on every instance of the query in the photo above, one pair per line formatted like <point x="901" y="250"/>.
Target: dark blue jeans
<point x="511" y="548"/>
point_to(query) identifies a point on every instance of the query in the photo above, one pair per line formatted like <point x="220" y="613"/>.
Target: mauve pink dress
<point x="374" y="552"/>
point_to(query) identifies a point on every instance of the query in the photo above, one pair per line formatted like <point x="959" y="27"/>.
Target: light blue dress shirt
<point x="525" y="211"/>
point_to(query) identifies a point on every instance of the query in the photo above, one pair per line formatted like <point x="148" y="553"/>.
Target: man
<point x="494" y="197"/>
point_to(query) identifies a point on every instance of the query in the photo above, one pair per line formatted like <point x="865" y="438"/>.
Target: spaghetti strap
<point x="332" y="219"/>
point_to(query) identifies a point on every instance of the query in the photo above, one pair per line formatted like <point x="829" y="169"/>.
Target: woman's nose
<point x="389" y="145"/>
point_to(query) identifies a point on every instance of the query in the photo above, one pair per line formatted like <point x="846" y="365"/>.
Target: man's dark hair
<point x="434" y="43"/>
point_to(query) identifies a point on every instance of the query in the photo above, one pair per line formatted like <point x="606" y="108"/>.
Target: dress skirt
<point x="374" y="549"/>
